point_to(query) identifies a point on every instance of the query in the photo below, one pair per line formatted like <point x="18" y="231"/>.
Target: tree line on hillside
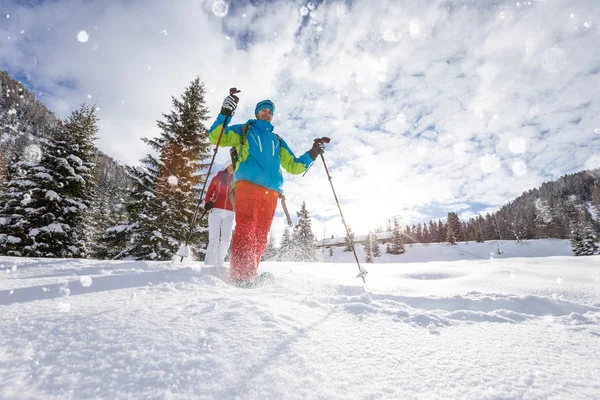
<point x="61" y="197"/>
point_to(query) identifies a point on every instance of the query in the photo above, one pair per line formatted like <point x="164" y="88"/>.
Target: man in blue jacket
<point x="258" y="181"/>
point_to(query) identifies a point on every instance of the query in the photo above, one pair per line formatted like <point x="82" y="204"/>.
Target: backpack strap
<point x="235" y="155"/>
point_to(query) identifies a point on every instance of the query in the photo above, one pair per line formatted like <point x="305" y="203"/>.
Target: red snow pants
<point x="254" y="211"/>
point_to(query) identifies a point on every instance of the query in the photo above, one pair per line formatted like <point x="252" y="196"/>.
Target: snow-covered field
<point x="482" y="328"/>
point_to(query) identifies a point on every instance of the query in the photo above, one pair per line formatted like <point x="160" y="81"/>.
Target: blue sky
<point x="432" y="106"/>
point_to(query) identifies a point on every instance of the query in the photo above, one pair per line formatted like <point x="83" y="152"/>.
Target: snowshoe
<point x="263" y="279"/>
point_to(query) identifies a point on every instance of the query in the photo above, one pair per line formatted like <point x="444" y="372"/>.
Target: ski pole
<point x="362" y="272"/>
<point x="232" y="91"/>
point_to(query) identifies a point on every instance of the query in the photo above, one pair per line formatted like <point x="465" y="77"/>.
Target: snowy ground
<point x="512" y="328"/>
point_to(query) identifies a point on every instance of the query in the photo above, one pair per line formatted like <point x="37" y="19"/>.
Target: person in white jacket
<point x="220" y="219"/>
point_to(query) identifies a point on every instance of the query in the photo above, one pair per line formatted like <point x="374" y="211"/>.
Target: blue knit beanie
<point x="264" y="104"/>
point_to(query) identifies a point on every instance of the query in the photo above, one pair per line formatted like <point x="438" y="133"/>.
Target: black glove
<point x="317" y="148"/>
<point x="229" y="105"/>
<point x="208" y="205"/>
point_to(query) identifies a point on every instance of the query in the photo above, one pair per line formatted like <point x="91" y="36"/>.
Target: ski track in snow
<point x="162" y="330"/>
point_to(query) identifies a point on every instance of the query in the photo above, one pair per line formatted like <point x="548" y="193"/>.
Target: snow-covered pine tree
<point x="349" y="240"/>
<point x="285" y="245"/>
<point x="3" y="172"/>
<point x="368" y="254"/>
<point x="370" y="247"/>
<point x="165" y="191"/>
<point x="61" y="189"/>
<point x="79" y="163"/>
<point x="303" y="237"/>
<point x="596" y="199"/>
<point x="270" y="251"/>
<point x="376" y="250"/>
<point x="583" y="238"/>
<point x="125" y="240"/>
<point x="397" y="246"/>
<point x="15" y="221"/>
<point x="109" y="212"/>
<point x="108" y="209"/>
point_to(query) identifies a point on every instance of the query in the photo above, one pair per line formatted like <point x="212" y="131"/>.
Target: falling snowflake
<point x="554" y="60"/>
<point x="414" y="28"/>
<point x="517" y="145"/>
<point x="304" y="11"/>
<point x="310" y="6"/>
<point x="85" y="281"/>
<point x="220" y="8"/>
<point x="32" y="153"/>
<point x="519" y="168"/>
<point x="82" y="36"/>
<point x="172" y="180"/>
<point x="489" y="163"/>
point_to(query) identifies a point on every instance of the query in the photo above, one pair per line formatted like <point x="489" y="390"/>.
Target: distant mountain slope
<point x="24" y="121"/>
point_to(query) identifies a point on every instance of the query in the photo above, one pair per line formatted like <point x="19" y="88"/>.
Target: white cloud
<point x="426" y="104"/>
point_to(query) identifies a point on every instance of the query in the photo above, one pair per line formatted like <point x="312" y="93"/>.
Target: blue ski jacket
<point x="262" y="154"/>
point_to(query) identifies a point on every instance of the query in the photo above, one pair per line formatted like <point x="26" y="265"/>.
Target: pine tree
<point x="397" y="242"/>
<point x="109" y="208"/>
<point x="371" y="243"/>
<point x="81" y="129"/>
<point x="583" y="238"/>
<point x="441" y="231"/>
<point x="596" y="198"/>
<point x="376" y="250"/>
<point x="433" y="232"/>
<point x="303" y="237"/>
<point x="15" y="221"/>
<point x="418" y="231"/>
<point x="453" y="227"/>
<point x="3" y="172"/>
<point x="164" y="196"/>
<point x="110" y="224"/>
<point x="60" y="191"/>
<point x="285" y="245"/>
<point x="270" y="251"/>
<point x="349" y="240"/>
<point x="426" y="234"/>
